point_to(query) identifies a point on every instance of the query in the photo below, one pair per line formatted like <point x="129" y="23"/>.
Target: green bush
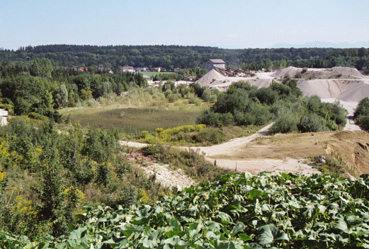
<point x="156" y="150"/>
<point x="311" y="123"/>
<point x="35" y="115"/>
<point x="362" y="108"/>
<point x="267" y="96"/>
<point x="363" y="122"/>
<point x="209" y="96"/>
<point x="215" y="119"/>
<point x="285" y="124"/>
<point x="209" y="136"/>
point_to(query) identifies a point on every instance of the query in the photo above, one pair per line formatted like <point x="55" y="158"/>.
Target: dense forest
<point x="170" y="57"/>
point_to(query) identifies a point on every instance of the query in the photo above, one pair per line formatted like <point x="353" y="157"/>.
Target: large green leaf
<point x="268" y="234"/>
<point x="237" y="228"/>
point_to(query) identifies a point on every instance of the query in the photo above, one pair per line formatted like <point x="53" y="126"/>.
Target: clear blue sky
<point x="225" y="24"/>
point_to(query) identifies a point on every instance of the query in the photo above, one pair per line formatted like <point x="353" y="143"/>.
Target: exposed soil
<point x="351" y="146"/>
<point x="169" y="177"/>
<point x="164" y="174"/>
<point x="279" y="153"/>
<point x="275" y="166"/>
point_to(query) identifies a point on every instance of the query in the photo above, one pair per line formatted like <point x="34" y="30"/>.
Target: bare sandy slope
<point x="169" y="177"/>
<point x="137" y="145"/>
<point x="351" y="146"/>
<point x="275" y="166"/>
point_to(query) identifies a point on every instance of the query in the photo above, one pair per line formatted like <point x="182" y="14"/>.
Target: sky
<point x="224" y="24"/>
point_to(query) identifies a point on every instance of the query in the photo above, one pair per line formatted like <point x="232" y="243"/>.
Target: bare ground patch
<point x="164" y="174"/>
<point x="266" y="153"/>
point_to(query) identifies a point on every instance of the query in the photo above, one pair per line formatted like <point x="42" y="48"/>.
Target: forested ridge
<point x="170" y="57"/>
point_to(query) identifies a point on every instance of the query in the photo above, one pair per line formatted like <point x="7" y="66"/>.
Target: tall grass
<point x="132" y="120"/>
<point x="137" y="110"/>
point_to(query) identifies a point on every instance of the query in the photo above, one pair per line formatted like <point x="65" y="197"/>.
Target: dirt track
<point x="230" y="146"/>
<point x="227" y="155"/>
<point x="222" y="156"/>
<point x="285" y="152"/>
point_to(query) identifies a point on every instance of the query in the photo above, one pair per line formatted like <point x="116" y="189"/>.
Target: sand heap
<point x="212" y="77"/>
<point x="291" y="71"/>
<point x="320" y="73"/>
<point x="345" y="90"/>
<point x="337" y="83"/>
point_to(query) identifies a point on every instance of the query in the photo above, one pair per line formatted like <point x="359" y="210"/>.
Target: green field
<point x="131" y="120"/>
<point x="152" y="74"/>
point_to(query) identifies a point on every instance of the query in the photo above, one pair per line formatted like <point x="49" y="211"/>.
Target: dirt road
<point x="350" y="125"/>
<point x="230" y="146"/>
<point x="221" y="155"/>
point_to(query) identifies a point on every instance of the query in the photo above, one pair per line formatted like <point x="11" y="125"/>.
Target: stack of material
<point x="212" y="77"/>
<point x="346" y="90"/>
<point x="320" y="73"/>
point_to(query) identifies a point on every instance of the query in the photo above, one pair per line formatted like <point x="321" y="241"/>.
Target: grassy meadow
<point x="153" y="74"/>
<point x="136" y="111"/>
<point x="132" y="120"/>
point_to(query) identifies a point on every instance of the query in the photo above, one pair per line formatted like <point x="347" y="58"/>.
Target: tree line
<point x="39" y="90"/>
<point x="170" y="57"/>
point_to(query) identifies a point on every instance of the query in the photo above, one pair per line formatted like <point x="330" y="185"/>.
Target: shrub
<point x="261" y="115"/>
<point x="241" y="85"/>
<point x="285" y="124"/>
<point x="362" y="108"/>
<point x="311" y="123"/>
<point x="198" y="90"/>
<point x="210" y="136"/>
<point x="281" y="89"/>
<point x="209" y="96"/>
<point x="35" y="115"/>
<point x="267" y="96"/>
<point x="298" y="75"/>
<point x="157" y="151"/>
<point x="172" y="97"/>
<point x="313" y="103"/>
<point x="361" y="114"/>
<point x="363" y="122"/>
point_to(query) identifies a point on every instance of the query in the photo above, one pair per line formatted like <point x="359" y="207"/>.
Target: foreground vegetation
<point x="233" y="211"/>
<point x="47" y="175"/>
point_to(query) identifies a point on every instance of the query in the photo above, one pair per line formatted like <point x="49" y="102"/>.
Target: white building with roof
<point x="215" y="64"/>
<point x="3" y="117"/>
